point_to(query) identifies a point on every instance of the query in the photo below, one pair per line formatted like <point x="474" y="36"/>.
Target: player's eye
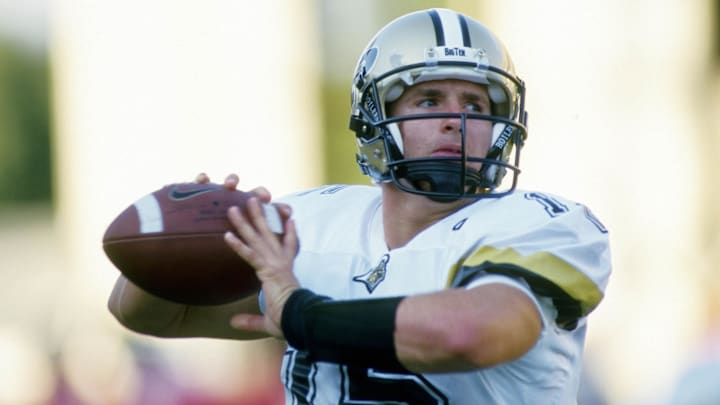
<point x="427" y="102"/>
<point x="480" y="108"/>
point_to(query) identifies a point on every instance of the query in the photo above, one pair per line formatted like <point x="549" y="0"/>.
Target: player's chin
<point x="476" y="166"/>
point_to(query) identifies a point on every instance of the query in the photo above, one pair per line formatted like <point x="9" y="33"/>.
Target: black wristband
<point x="293" y="319"/>
<point x="353" y="332"/>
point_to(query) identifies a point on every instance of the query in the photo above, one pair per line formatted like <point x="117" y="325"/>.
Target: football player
<point x="441" y="283"/>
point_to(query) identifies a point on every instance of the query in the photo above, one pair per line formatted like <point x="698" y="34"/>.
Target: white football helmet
<point x="429" y="45"/>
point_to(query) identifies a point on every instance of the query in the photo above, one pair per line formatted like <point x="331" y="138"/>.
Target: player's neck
<point x="405" y="215"/>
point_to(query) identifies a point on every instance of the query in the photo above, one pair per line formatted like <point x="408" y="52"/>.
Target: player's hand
<point x="271" y="256"/>
<point x="231" y="182"/>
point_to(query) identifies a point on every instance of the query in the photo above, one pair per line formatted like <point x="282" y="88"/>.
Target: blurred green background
<point x="25" y="167"/>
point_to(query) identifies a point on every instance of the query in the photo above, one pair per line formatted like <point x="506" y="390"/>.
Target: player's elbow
<point x="116" y="308"/>
<point x="142" y="322"/>
<point x="486" y="344"/>
<point x="491" y="347"/>
<point x="138" y="316"/>
<point x="127" y="321"/>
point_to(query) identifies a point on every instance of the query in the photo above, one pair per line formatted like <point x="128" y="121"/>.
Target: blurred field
<point x="60" y="348"/>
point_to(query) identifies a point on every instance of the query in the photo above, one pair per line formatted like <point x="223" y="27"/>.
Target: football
<point x="170" y="243"/>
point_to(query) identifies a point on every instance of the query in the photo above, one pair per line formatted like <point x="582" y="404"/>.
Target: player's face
<point x="441" y="136"/>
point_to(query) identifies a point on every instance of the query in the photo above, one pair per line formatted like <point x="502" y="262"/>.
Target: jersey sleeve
<point x="565" y="257"/>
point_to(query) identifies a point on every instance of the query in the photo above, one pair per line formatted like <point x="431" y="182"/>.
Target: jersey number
<point x="364" y="386"/>
<point x="368" y="386"/>
<point x="552" y="206"/>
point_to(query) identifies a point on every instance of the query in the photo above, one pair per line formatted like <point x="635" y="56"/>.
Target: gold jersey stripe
<point x="545" y="265"/>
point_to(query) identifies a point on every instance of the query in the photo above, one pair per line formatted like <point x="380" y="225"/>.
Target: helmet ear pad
<point x="376" y="147"/>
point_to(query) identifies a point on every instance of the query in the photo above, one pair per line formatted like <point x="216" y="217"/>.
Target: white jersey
<point x="553" y="249"/>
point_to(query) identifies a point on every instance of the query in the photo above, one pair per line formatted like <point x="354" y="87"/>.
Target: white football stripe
<point x="149" y="214"/>
<point x="451" y="28"/>
<point x="273" y="218"/>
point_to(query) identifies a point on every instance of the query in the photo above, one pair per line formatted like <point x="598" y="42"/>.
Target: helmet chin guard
<point x="438" y="44"/>
<point x="437" y="180"/>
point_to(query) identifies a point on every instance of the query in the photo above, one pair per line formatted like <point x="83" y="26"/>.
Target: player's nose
<point x="452" y="123"/>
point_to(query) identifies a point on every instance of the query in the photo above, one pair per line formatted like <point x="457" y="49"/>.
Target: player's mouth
<point x="447" y="150"/>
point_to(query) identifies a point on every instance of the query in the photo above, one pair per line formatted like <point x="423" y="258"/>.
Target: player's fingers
<point x="244" y="229"/>
<point x="262" y="193"/>
<point x="257" y="258"/>
<point x="257" y="218"/>
<point x="202" y="178"/>
<point x="231" y="181"/>
<point x="290" y="239"/>
<point x="284" y="210"/>
<point x="253" y="244"/>
<point x="239" y="246"/>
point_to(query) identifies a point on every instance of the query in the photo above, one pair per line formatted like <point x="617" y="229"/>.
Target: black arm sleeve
<point x="353" y="332"/>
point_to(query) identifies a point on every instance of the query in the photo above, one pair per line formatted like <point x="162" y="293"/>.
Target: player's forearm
<point x="147" y="314"/>
<point x="457" y="330"/>
<point x="447" y="331"/>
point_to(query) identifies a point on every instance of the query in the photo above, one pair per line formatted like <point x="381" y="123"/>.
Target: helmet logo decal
<point x="374" y="276"/>
<point x="365" y="65"/>
<point x="368" y="61"/>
